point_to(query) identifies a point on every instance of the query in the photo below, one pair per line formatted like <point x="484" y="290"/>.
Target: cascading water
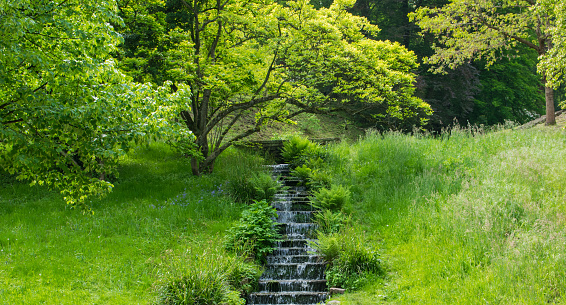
<point x="292" y="275"/>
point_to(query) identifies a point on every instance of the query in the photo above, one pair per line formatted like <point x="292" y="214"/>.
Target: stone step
<point x="292" y="197"/>
<point x="293" y="259"/>
<point x="294" y="243"/>
<point x="290" y="251"/>
<point x="292" y="206"/>
<point x="288" y="297"/>
<point x="294" y="216"/>
<point x="292" y="285"/>
<point x="306" y="271"/>
<point x="295" y="228"/>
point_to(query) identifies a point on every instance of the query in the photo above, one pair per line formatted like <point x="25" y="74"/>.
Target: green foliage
<point x="329" y="222"/>
<point x="328" y="246"/>
<point x="264" y="186"/>
<point x="352" y="264"/>
<point x="158" y="214"/>
<point x="255" y="230"/>
<point x="256" y="187"/>
<point x="552" y="64"/>
<point x="66" y="113"/>
<point x="460" y="27"/>
<point x="307" y="160"/>
<point x="276" y="61"/>
<point x="208" y="277"/>
<point x="334" y="198"/>
<point x="303" y="172"/>
<point x="199" y="287"/>
<point x="510" y="90"/>
<point x="469" y="217"/>
<point x="297" y="150"/>
<point x="318" y="179"/>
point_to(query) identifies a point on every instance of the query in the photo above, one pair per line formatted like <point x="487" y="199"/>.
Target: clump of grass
<point x="204" y="275"/>
<point x="257" y="186"/>
<point x="352" y="262"/>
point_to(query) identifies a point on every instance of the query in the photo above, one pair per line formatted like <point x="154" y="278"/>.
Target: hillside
<point x="466" y="218"/>
<point x="472" y="217"/>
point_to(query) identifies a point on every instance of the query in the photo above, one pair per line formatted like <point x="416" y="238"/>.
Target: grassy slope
<point x="462" y="219"/>
<point x="157" y="212"/>
<point x="441" y="212"/>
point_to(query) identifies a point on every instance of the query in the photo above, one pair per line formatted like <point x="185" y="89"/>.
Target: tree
<point x="66" y="112"/>
<point x="273" y="61"/>
<point x="483" y="29"/>
<point x="553" y="63"/>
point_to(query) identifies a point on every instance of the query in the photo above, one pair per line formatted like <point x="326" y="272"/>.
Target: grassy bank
<point x="158" y="216"/>
<point x="471" y="217"/>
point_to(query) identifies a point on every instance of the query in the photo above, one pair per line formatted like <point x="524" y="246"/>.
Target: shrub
<point x="318" y="180"/>
<point x="351" y="262"/>
<point x="303" y="172"/>
<point x="333" y="199"/>
<point x="255" y="230"/>
<point x="258" y="186"/>
<point x="327" y="246"/>
<point x="204" y="278"/>
<point x="298" y="150"/>
<point x="263" y="186"/>
<point x="331" y="222"/>
<point x="311" y="175"/>
<point x="199" y="287"/>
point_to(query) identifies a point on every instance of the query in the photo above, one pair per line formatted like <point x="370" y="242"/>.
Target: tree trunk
<point x="549" y="97"/>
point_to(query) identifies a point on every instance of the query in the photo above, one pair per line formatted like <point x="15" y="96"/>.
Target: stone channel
<point x="292" y="275"/>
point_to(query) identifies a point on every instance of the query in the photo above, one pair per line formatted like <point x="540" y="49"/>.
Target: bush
<point x="199" y="287"/>
<point x="263" y="186"/>
<point x="206" y="278"/>
<point x="298" y="150"/>
<point x="331" y="222"/>
<point x="258" y="186"/>
<point x="327" y="246"/>
<point x="333" y="199"/>
<point x="351" y="263"/>
<point x="254" y="231"/>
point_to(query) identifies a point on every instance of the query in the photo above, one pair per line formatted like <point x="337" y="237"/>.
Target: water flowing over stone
<point x="292" y="275"/>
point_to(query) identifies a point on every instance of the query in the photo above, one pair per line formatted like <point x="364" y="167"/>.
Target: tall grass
<point x="472" y="217"/>
<point x="50" y="254"/>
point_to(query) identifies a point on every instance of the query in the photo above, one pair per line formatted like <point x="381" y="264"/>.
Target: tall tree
<point x="482" y="29"/>
<point x="275" y="61"/>
<point x="66" y="113"/>
<point x="553" y="63"/>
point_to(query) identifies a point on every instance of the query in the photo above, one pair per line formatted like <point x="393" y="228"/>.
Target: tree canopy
<point x="553" y="63"/>
<point x="271" y="61"/>
<point x="66" y="112"/>
<point x="484" y="29"/>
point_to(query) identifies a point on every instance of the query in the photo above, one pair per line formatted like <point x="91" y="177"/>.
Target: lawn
<point x="50" y="254"/>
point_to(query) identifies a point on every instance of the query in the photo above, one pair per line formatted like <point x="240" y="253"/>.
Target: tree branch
<point x="12" y="122"/>
<point x="268" y="74"/>
<point x="247" y="105"/>
<point x="227" y="129"/>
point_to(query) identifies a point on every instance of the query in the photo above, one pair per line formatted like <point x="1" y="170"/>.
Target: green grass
<point x="470" y="218"/>
<point x="50" y="254"/>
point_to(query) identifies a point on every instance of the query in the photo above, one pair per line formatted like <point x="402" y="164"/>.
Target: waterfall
<point x="292" y="275"/>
